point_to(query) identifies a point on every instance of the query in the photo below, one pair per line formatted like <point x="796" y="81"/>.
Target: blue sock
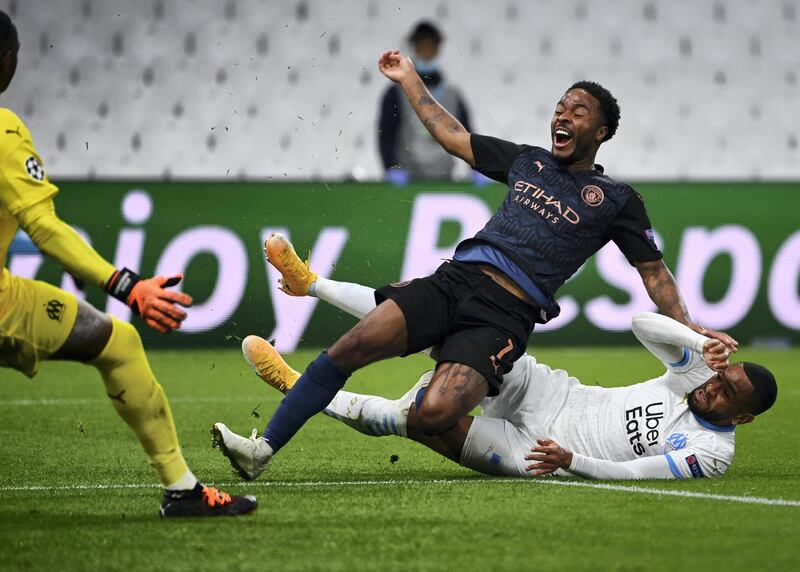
<point x="314" y="390"/>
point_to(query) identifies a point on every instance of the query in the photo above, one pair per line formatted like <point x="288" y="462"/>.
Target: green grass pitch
<point x="77" y="493"/>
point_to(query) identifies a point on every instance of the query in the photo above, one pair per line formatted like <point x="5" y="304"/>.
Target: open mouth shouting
<point x="562" y="138"/>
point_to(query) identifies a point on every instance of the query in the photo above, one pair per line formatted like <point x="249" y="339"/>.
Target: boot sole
<point x="219" y="443"/>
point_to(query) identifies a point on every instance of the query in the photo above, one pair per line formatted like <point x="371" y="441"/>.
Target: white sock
<point x="369" y="414"/>
<point x="355" y="299"/>
<point x="185" y="483"/>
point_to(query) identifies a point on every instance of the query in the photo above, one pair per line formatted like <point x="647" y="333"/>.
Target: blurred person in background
<point x="408" y="151"/>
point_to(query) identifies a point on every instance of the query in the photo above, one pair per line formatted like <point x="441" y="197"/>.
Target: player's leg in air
<point x="371" y="415"/>
<point x="434" y="417"/>
<point x="485" y="444"/>
<point x="323" y="377"/>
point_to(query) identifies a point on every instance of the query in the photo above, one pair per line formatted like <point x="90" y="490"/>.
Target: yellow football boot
<point x="267" y="363"/>
<point x="296" y="276"/>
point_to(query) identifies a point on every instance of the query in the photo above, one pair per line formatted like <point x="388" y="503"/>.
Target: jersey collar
<point x="717" y="428"/>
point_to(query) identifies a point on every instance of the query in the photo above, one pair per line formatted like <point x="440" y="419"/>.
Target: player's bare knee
<point x="436" y="418"/>
<point x="343" y="352"/>
<point x="381" y="334"/>
<point x="352" y="351"/>
<point x="432" y="425"/>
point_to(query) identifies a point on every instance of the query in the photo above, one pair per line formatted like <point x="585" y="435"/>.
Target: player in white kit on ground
<point x="678" y="425"/>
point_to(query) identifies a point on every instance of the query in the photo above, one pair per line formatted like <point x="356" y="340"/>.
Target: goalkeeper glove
<point x="150" y="299"/>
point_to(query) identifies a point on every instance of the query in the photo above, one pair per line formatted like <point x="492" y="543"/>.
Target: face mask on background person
<point x="424" y="66"/>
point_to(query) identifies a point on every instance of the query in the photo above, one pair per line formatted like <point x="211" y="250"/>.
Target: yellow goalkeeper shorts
<point x="35" y="320"/>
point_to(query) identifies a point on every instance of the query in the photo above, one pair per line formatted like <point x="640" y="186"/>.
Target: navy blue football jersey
<point x="554" y="219"/>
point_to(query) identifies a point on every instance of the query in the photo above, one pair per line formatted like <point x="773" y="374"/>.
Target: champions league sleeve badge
<point x="34" y="169"/>
<point x="694" y="466"/>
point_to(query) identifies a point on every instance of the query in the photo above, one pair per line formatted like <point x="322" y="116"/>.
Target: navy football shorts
<point x="472" y="319"/>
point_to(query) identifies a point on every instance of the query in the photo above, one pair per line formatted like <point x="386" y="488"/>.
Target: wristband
<point x="121" y="284"/>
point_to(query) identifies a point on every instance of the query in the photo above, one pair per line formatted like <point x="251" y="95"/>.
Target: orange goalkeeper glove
<point x="150" y="299"/>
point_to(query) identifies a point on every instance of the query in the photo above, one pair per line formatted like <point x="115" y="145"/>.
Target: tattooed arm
<point x="445" y="128"/>
<point x="663" y="291"/>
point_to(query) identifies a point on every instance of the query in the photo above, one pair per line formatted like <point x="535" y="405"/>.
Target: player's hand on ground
<point x="156" y="305"/>
<point x="729" y="342"/>
<point x="395" y="65"/>
<point x="548" y="457"/>
<point x="715" y="354"/>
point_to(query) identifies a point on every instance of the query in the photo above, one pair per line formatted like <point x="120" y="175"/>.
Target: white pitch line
<point x="417" y="482"/>
<point x="674" y="493"/>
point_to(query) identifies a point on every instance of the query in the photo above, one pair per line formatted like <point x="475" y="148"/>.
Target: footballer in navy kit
<point x="681" y="424"/>
<point x="480" y="308"/>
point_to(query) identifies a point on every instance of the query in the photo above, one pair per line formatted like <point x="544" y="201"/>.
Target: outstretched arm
<point x="27" y="193"/>
<point x="668" y="340"/>
<point x="663" y="291"/>
<point x="149" y="298"/>
<point x="58" y="240"/>
<point x="549" y="456"/>
<point x="445" y="128"/>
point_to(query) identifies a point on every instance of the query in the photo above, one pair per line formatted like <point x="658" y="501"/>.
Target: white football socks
<point x="354" y="299"/>
<point x="185" y="483"/>
<point x="369" y="414"/>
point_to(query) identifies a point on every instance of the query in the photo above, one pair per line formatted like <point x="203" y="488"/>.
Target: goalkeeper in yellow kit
<point x="39" y="321"/>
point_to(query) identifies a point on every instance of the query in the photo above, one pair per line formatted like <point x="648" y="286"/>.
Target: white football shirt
<point x="617" y="424"/>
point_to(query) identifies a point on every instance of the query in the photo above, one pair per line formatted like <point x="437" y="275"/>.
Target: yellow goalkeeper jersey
<point x="23" y="180"/>
<point x="26" y="198"/>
